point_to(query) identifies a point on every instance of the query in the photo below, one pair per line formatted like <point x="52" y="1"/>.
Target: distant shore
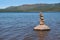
<point x="33" y="8"/>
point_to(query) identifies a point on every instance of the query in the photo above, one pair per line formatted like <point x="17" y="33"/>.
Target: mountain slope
<point x="32" y="8"/>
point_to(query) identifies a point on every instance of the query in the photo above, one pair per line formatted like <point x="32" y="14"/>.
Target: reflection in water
<point x="42" y="35"/>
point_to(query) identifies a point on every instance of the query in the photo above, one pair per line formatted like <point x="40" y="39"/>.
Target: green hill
<point x="32" y="8"/>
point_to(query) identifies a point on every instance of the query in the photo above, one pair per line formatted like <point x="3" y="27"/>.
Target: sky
<point x="6" y="3"/>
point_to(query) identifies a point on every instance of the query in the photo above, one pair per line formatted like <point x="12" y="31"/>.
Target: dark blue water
<point x="19" y="26"/>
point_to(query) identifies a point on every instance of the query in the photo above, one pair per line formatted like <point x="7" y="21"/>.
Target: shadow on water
<point x="42" y="35"/>
<point x="39" y="35"/>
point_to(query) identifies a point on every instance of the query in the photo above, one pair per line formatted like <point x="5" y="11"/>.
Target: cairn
<point x="41" y="26"/>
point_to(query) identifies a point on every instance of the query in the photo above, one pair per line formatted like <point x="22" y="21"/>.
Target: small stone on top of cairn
<point x="42" y="26"/>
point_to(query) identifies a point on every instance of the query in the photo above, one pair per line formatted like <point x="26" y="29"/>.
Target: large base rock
<point x="42" y="28"/>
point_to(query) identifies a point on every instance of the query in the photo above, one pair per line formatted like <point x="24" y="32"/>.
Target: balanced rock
<point x="42" y="26"/>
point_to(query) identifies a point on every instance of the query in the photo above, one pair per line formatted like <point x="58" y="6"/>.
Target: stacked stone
<point x="41" y="19"/>
<point x="42" y="26"/>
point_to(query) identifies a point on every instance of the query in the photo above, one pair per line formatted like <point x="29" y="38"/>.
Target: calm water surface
<point x="19" y="26"/>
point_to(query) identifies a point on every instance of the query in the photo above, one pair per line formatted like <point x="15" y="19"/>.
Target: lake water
<point x="19" y="26"/>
